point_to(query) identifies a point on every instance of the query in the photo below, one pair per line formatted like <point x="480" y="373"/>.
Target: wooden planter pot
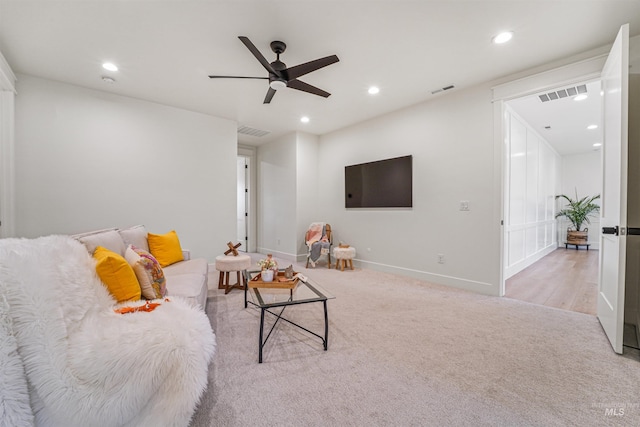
<point x="577" y="237"/>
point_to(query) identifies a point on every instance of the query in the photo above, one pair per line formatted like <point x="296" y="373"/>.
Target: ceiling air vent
<point x="563" y="93"/>
<point x="442" y="89"/>
<point x="246" y="130"/>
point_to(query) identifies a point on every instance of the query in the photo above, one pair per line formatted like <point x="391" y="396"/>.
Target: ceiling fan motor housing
<point x="278" y="47"/>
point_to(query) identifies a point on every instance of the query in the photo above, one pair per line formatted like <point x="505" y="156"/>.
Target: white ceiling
<point x="567" y="119"/>
<point x="166" y="49"/>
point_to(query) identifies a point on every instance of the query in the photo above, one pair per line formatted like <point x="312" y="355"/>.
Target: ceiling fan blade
<point x="305" y="87"/>
<point x="302" y="69"/>
<point x="270" y="93"/>
<point x="258" y="55"/>
<point x="237" y="77"/>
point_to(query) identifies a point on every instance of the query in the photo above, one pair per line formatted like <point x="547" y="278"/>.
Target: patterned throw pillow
<point x="148" y="272"/>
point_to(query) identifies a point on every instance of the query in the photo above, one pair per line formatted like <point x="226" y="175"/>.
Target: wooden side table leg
<point x="226" y="283"/>
<point x="221" y="281"/>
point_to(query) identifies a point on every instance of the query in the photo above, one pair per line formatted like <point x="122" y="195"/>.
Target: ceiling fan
<point x="279" y="75"/>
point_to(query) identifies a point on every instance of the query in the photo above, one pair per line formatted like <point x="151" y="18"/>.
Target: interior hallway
<point x="565" y="279"/>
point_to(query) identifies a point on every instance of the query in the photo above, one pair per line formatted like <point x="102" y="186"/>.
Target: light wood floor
<point x="565" y="279"/>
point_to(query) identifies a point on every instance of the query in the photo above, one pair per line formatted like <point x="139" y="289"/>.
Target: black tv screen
<point x="381" y="184"/>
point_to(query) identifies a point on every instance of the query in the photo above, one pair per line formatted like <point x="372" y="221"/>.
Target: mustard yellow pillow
<point x="116" y="273"/>
<point x="165" y="248"/>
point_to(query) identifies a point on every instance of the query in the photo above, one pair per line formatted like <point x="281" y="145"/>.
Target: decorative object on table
<point x="344" y="255"/>
<point x="279" y="280"/>
<point x="288" y="272"/>
<point x="232" y="248"/>
<point x="318" y="240"/>
<point x="269" y="268"/>
<point x="578" y="211"/>
<point x="226" y="264"/>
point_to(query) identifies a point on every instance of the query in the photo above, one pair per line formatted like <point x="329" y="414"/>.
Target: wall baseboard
<point x="521" y="265"/>
<point x="439" y="279"/>
<point x="277" y="254"/>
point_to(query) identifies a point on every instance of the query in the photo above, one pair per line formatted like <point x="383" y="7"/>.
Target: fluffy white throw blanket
<point x="87" y="365"/>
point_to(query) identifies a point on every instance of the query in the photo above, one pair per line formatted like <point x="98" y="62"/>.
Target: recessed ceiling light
<point x="592" y="127"/>
<point x="109" y="66"/>
<point x="503" y="37"/>
<point x="304" y="119"/>
<point x="373" y="90"/>
<point x="580" y="97"/>
<point x="597" y="144"/>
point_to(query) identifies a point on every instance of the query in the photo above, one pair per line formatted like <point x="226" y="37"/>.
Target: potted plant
<point x="578" y="211"/>
<point x="269" y="268"/>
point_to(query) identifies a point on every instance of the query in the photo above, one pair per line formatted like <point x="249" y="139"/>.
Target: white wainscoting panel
<point x="533" y="181"/>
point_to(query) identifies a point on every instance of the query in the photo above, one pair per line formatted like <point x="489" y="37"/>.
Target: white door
<point x="615" y="86"/>
<point x="241" y="234"/>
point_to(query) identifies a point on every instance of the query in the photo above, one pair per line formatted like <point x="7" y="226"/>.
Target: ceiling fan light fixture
<point x="277" y="84"/>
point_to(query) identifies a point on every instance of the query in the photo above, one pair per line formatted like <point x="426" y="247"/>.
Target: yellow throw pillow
<point x="165" y="248"/>
<point x="116" y="273"/>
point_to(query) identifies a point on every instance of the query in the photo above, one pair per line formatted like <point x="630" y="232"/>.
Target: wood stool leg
<point x="351" y="263"/>
<point x="226" y="283"/>
<point x="329" y="263"/>
<point x="221" y="281"/>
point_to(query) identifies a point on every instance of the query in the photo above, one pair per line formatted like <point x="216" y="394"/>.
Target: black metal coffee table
<point x="305" y="292"/>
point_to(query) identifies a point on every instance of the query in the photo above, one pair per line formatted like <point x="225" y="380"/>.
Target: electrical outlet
<point x="440" y="259"/>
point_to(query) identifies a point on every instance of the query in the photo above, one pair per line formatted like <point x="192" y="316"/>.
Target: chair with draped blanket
<point x="318" y="240"/>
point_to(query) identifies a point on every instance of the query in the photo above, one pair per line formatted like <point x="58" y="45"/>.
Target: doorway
<point x="242" y="210"/>
<point x="553" y="141"/>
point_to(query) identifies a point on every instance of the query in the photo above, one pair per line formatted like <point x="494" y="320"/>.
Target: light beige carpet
<point x="403" y="352"/>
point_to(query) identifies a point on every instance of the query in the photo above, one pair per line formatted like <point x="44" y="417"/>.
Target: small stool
<point x="344" y="255"/>
<point x="226" y="264"/>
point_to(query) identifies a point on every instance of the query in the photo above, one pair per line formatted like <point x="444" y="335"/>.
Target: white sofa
<point x="188" y="278"/>
<point x="69" y="357"/>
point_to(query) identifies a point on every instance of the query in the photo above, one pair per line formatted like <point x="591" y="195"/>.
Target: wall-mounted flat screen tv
<point x="381" y="184"/>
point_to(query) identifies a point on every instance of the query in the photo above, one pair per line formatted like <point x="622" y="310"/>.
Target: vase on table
<point x="267" y="275"/>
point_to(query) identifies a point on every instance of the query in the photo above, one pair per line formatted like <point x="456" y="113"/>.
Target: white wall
<point x="309" y="179"/>
<point x="7" y="149"/>
<point x="532" y="179"/>
<point x="581" y="172"/>
<point x="87" y="159"/>
<point x="277" y="199"/>
<point x="288" y="177"/>
<point x="451" y="140"/>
